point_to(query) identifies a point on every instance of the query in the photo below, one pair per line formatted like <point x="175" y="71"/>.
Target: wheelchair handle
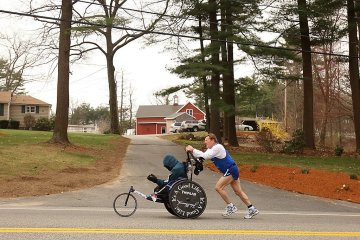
<point x="190" y="154"/>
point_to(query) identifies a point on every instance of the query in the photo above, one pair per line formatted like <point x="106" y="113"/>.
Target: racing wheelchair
<point x="182" y="198"/>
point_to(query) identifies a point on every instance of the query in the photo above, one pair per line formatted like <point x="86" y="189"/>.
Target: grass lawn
<point x="26" y="153"/>
<point x="346" y="164"/>
<point x="329" y="163"/>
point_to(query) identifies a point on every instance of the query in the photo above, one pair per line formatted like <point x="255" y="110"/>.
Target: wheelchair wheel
<point x="169" y="209"/>
<point x="125" y="204"/>
<point x="187" y="199"/>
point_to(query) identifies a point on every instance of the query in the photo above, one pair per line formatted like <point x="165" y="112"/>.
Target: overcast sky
<point x="144" y="68"/>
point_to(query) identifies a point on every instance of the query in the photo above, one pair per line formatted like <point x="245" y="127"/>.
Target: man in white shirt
<point x="227" y="166"/>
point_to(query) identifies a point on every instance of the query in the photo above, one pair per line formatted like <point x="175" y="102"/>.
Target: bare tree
<point x="122" y="96"/>
<point x="22" y="55"/>
<point x="131" y="105"/>
<point x="109" y="21"/>
<point x="325" y="76"/>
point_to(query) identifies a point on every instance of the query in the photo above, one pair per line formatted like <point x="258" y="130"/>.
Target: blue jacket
<point x="176" y="168"/>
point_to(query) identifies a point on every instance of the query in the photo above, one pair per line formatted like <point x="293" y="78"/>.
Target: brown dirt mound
<point x="315" y="183"/>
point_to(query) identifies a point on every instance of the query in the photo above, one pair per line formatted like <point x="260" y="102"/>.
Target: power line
<point x="136" y="10"/>
<point x="89" y="75"/>
<point x="187" y="18"/>
<point x="178" y="35"/>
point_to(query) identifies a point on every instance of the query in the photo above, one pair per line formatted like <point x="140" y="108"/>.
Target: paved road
<point x="87" y="214"/>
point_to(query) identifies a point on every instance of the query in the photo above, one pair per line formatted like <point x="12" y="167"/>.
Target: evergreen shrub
<point x="43" y="124"/>
<point x="296" y="144"/>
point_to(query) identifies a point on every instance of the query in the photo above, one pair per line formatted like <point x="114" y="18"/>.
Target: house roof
<point x="189" y="103"/>
<point x="177" y="114"/>
<point x="20" y="100"/>
<point x="5" y="97"/>
<point x="157" y="110"/>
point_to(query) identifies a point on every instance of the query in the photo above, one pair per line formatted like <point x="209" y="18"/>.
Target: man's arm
<point x="208" y="154"/>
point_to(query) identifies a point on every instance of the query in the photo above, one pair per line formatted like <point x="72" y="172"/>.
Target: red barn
<point x="157" y="119"/>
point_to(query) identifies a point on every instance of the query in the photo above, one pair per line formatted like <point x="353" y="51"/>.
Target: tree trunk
<point x="308" y="116"/>
<point x="323" y="128"/>
<point x="357" y="19"/>
<point x="229" y="97"/>
<point x="203" y="79"/>
<point x="226" y="74"/>
<point x="324" y="80"/>
<point x="130" y="107"/>
<point x="113" y="103"/>
<point x="215" y="124"/>
<point x="354" y="70"/>
<point x="122" y="129"/>
<point x="62" y="106"/>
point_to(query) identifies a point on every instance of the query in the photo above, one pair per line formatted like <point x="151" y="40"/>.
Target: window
<point x="30" y="109"/>
<point x="189" y="111"/>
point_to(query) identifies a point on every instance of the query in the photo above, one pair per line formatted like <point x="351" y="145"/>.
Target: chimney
<point x="176" y="100"/>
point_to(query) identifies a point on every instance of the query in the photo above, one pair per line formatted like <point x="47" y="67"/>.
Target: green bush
<point x="43" y="124"/>
<point x="353" y="176"/>
<point x="254" y="168"/>
<point x="305" y="171"/>
<point x="188" y="136"/>
<point x="14" y="124"/>
<point x="296" y="144"/>
<point x="4" y="124"/>
<point x="29" y="121"/>
<point x="339" y="150"/>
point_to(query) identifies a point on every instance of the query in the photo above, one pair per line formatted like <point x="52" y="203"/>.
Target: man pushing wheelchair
<point x="222" y="160"/>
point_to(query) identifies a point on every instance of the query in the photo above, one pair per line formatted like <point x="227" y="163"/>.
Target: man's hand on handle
<point x="189" y="148"/>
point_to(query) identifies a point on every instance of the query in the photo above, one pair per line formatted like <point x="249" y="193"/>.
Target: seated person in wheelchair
<point x="178" y="170"/>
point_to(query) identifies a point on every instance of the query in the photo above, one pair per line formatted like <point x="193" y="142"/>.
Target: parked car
<point x="175" y="127"/>
<point x="243" y="127"/>
<point x="252" y="123"/>
<point x="192" y="126"/>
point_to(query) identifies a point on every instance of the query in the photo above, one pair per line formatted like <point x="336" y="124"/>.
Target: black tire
<point x="246" y="129"/>
<point x="195" y="129"/>
<point x="123" y="208"/>
<point x="187" y="199"/>
<point x="169" y="209"/>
